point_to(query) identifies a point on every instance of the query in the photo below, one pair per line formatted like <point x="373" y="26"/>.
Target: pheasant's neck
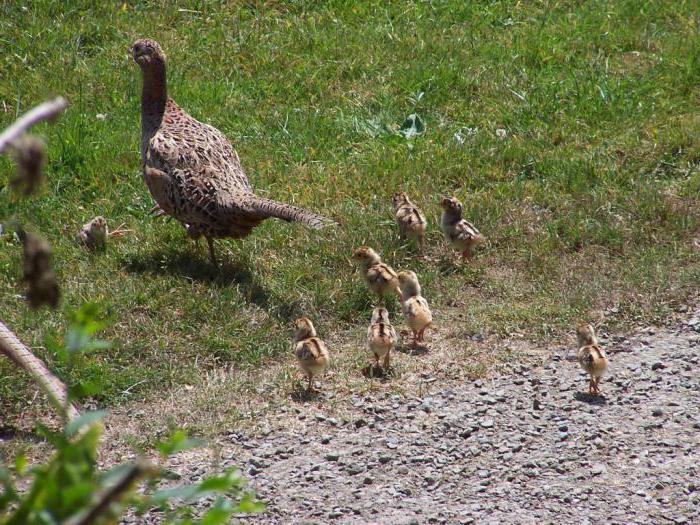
<point x="410" y="290"/>
<point x="368" y="263"/>
<point x="153" y="97"/>
<point x="304" y="334"/>
<point x="451" y="217"/>
<point x="587" y="340"/>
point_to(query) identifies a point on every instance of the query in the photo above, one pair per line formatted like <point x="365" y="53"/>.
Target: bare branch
<point x="114" y="494"/>
<point x="13" y="348"/>
<point x="47" y="111"/>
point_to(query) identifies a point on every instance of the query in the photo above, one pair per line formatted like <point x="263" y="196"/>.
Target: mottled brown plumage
<point x="192" y="170"/>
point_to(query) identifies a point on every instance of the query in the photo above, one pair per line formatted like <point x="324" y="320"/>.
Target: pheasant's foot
<point x="387" y="361"/>
<point x="310" y="386"/>
<point x="157" y="211"/>
<point x="212" y="255"/>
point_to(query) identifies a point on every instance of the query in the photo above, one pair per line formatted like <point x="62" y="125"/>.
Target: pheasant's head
<point x="408" y="282"/>
<point x="303" y="329"/>
<point x="399" y="199"/>
<point x="98" y="225"/>
<point x="380" y="315"/>
<point x="451" y="204"/>
<point x="365" y="255"/>
<point x="147" y="52"/>
<point x="586" y="335"/>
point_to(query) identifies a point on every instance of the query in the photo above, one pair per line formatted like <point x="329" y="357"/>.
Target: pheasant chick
<point x="414" y="306"/>
<point x="94" y="234"/>
<point x="409" y="217"/>
<point x="380" y="277"/>
<point x="459" y="232"/>
<point x="381" y="336"/>
<point x="311" y="352"/>
<point x="591" y="357"/>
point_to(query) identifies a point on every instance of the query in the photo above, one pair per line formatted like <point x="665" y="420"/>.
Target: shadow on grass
<point x="301" y="395"/>
<point x="412" y="348"/>
<point x="8" y="433"/>
<point x="194" y="266"/>
<point x="377" y="372"/>
<point x="585" y="397"/>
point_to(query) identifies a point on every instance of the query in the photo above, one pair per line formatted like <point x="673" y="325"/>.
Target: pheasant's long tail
<point x="287" y="212"/>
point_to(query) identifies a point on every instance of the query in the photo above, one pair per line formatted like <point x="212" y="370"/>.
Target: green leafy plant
<point x="70" y="489"/>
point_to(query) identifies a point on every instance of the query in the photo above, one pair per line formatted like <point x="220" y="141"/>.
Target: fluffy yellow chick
<point x="381" y="336"/>
<point x="93" y="234"/>
<point x="460" y="233"/>
<point x="381" y="278"/>
<point x="311" y="352"/>
<point x="414" y="306"/>
<point x="591" y="357"/>
<point x="409" y="217"/>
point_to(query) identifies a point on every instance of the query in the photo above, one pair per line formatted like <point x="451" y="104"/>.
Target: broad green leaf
<point x="21" y="464"/>
<point x="177" y="443"/>
<point x="219" y="513"/>
<point x="88" y="418"/>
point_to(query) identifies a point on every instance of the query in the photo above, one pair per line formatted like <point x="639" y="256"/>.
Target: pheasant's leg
<point x="597" y="386"/>
<point x="467" y="254"/>
<point x="387" y="360"/>
<point x="157" y="211"/>
<point x="415" y="338"/>
<point x="376" y="360"/>
<point x="310" y="387"/>
<point x="212" y="255"/>
<point x="591" y="387"/>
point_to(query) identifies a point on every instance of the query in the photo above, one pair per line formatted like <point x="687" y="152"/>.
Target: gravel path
<point x="525" y="447"/>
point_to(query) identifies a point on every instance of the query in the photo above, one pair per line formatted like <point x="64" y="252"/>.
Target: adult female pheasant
<point x="191" y="168"/>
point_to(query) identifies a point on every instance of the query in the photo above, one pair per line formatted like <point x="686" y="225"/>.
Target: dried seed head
<point x="29" y="152"/>
<point x="38" y="274"/>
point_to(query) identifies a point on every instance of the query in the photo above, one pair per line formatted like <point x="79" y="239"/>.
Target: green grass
<point x="590" y="201"/>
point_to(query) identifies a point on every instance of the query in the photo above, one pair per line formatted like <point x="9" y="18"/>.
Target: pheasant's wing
<point x="187" y="144"/>
<point x="465" y="231"/>
<point x="382" y="273"/>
